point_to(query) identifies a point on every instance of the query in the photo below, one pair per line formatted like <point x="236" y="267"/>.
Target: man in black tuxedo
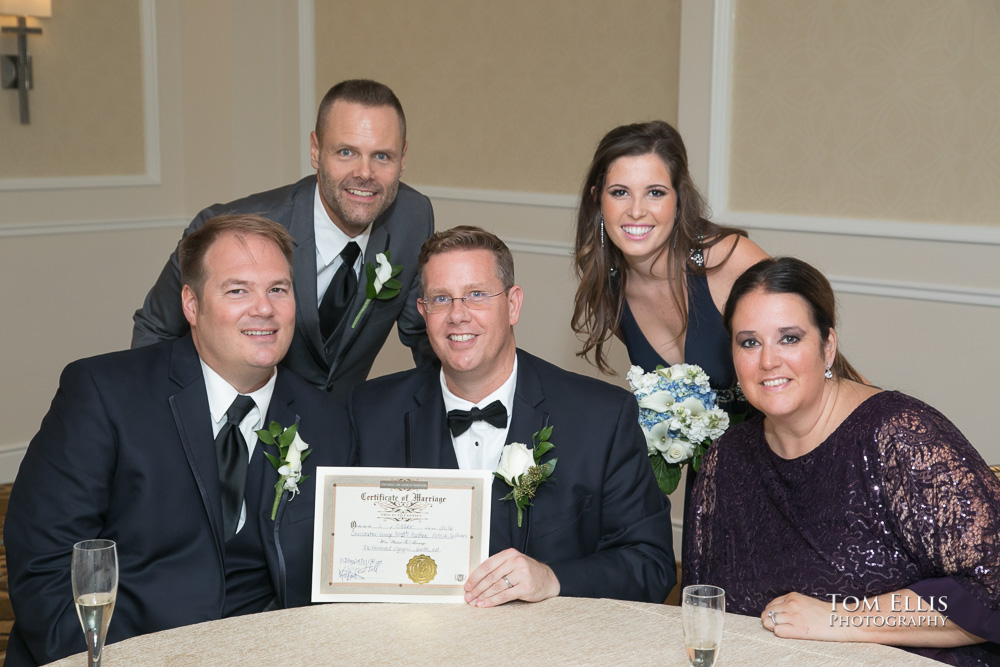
<point x="156" y="449"/>
<point x="353" y="209"/>
<point x="600" y="526"/>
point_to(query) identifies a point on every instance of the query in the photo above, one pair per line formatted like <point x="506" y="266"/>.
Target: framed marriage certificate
<point x="398" y="534"/>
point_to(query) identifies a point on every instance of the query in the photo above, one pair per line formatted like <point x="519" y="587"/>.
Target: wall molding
<point x="718" y="173"/>
<point x="914" y="231"/>
<point x="307" y="80"/>
<point x="893" y="229"/>
<point x="893" y="289"/>
<point x="544" y="248"/>
<point x="500" y="196"/>
<point x="151" y="124"/>
<point x="90" y="226"/>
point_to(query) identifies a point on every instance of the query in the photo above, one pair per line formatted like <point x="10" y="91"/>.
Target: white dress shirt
<point x="221" y="395"/>
<point x="330" y="242"/>
<point x="480" y="447"/>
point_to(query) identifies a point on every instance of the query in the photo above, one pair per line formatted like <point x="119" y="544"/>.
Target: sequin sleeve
<point x="698" y="517"/>
<point x="946" y="504"/>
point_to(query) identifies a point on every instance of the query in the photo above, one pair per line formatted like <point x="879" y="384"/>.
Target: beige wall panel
<point x="86" y="105"/>
<point x="944" y="354"/>
<point x="131" y="203"/>
<point x="867" y="109"/>
<point x="75" y="297"/>
<point x="958" y="265"/>
<point x="240" y="102"/>
<point x="510" y="95"/>
<point x="518" y="221"/>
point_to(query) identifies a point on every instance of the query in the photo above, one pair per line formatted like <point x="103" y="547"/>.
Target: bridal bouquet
<point x="679" y="416"/>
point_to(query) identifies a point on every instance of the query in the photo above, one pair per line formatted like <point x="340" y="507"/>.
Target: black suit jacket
<point x="344" y="360"/>
<point x="126" y="452"/>
<point x="600" y="522"/>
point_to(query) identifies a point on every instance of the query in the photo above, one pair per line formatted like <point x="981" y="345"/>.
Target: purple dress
<point x="895" y="498"/>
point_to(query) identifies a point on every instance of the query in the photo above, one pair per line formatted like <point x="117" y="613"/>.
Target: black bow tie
<point x="494" y="414"/>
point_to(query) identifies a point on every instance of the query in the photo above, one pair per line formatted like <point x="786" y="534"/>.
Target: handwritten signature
<point x="351" y="569"/>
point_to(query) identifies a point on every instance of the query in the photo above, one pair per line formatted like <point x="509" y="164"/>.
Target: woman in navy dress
<point x="653" y="271"/>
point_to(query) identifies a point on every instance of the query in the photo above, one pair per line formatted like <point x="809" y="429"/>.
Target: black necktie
<point x="340" y="292"/>
<point x="494" y="414"/>
<point x="232" y="456"/>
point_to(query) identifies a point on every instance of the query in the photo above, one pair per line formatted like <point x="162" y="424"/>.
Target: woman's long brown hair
<point x="600" y="296"/>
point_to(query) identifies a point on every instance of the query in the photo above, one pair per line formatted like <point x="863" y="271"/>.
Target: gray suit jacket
<point x="344" y="360"/>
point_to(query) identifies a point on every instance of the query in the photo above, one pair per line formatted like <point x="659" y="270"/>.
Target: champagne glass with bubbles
<point x="95" y="585"/>
<point x="703" y="610"/>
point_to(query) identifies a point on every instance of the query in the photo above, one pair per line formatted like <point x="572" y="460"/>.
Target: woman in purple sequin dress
<point x="842" y="512"/>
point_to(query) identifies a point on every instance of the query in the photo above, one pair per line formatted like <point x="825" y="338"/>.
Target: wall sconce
<point x="15" y="70"/>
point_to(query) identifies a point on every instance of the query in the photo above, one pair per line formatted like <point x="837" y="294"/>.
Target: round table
<point x="560" y="631"/>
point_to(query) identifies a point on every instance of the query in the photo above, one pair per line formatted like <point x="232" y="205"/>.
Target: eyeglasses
<point x="475" y="300"/>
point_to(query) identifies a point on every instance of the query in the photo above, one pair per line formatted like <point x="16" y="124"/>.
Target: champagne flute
<point x="95" y="585"/>
<point x="703" y="610"/>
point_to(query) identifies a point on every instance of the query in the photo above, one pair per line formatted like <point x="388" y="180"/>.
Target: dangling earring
<point x="828" y="374"/>
<point x="602" y="230"/>
<point x="677" y="233"/>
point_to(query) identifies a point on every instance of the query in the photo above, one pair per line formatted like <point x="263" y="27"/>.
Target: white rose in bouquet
<point x="678" y="451"/>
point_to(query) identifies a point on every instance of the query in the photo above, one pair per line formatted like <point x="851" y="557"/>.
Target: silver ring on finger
<point x="771" y="614"/>
<point x="507" y="581"/>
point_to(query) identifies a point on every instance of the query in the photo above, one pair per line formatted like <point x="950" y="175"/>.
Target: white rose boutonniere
<point x="292" y="451"/>
<point x="515" y="460"/>
<point x="522" y="469"/>
<point x="382" y="282"/>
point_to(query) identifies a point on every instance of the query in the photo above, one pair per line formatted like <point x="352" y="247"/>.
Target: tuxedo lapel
<point x="281" y="410"/>
<point x="527" y="418"/>
<point x="194" y="428"/>
<point x="427" y="441"/>
<point x="302" y="229"/>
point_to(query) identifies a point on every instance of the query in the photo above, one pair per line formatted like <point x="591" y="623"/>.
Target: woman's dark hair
<point x="789" y="275"/>
<point x="600" y="296"/>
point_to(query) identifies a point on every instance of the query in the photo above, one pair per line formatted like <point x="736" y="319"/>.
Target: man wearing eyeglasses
<point x="599" y="527"/>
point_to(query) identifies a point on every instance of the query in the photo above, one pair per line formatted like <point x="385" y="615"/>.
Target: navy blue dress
<point x="706" y="343"/>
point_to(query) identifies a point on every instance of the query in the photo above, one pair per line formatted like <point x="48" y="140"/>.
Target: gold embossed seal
<point x="421" y="569"/>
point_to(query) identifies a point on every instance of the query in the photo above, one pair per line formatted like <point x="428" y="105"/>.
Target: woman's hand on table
<point x="900" y="618"/>
<point x="510" y="575"/>
<point x="797" y="616"/>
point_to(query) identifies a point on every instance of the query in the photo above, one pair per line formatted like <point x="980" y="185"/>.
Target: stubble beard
<point x="356" y="216"/>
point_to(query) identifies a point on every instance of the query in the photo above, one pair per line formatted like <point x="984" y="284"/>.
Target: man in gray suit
<point x="358" y="211"/>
